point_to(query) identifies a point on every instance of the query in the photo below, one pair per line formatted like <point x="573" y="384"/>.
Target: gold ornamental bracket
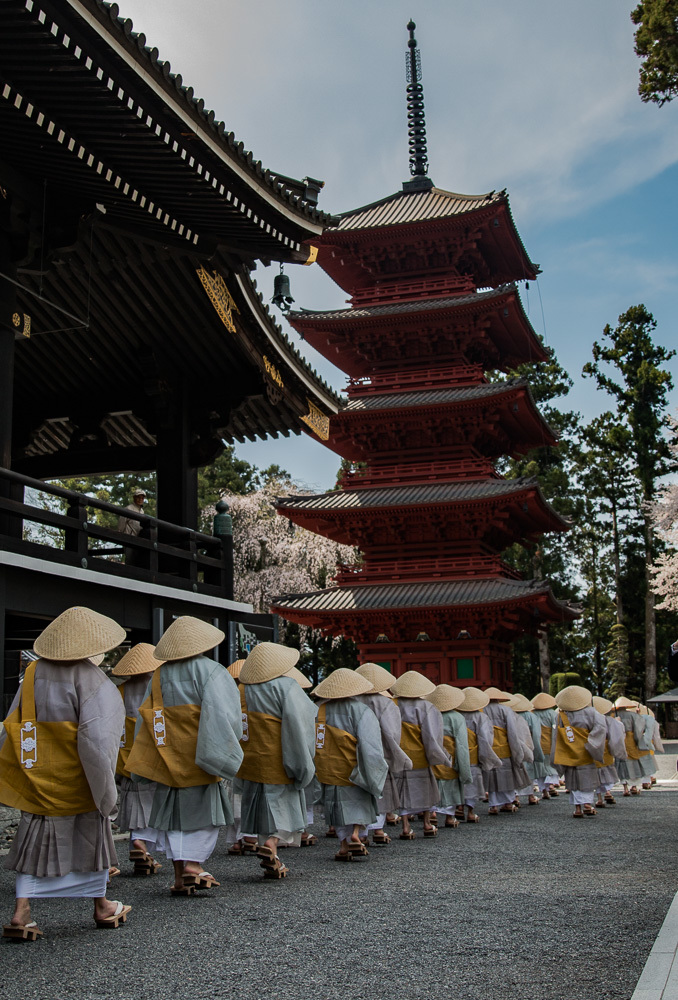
<point x="273" y="372"/>
<point x="22" y="323"/>
<point x="219" y="296"/>
<point x="317" y="421"/>
<point x="312" y="255"/>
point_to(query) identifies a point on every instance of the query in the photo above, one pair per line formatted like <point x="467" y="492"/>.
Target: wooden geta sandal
<point x="271" y="863"/>
<point x="409" y="835"/>
<point x="379" y="837"/>
<point x="117" y="918"/>
<point x="203" y="880"/>
<point x="22" y="932"/>
<point x="144" y="864"/>
<point x="451" y="822"/>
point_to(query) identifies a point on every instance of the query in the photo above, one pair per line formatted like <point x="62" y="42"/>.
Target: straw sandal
<point x="310" y="841"/>
<point x="410" y="835"/>
<point x="144" y="864"/>
<point x="433" y="832"/>
<point x="203" y="880"/>
<point x="22" y="932"/>
<point x="451" y="822"/>
<point x="379" y="837"/>
<point x="115" y="919"/>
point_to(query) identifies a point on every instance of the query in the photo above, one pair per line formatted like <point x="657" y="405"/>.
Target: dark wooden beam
<point x="67" y="464"/>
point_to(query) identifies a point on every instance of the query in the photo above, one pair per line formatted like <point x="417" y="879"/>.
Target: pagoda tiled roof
<point x="396" y="496"/>
<point x="441" y="593"/>
<point x="420" y="206"/>
<point x="403" y="308"/>
<point x="432" y="397"/>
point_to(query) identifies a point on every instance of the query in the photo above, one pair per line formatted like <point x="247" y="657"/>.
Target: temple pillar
<point x="177" y="479"/>
<point x="7" y="331"/>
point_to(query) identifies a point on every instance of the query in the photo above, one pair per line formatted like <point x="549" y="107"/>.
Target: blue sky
<point x="538" y="97"/>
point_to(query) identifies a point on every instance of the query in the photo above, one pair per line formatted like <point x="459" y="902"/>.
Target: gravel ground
<point x="533" y="905"/>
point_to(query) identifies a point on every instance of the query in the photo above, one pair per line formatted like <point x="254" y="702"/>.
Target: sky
<point x="536" y="96"/>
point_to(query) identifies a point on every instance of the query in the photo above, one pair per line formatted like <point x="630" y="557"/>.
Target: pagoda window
<point x="465" y="668"/>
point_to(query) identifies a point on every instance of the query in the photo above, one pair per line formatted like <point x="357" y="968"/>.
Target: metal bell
<point x="281" y="292"/>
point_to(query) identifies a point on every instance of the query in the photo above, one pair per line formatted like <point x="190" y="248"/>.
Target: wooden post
<point x="177" y="480"/>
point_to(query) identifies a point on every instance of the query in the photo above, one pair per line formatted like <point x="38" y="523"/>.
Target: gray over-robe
<point x="388" y="716"/>
<point x="57" y="845"/>
<point x="201" y="681"/>
<point x="629" y="769"/>
<point x="651" y="741"/>
<point x="479" y="724"/>
<point x="344" y="805"/>
<point x="585" y="777"/>
<point x="452" y="791"/>
<point x="536" y="768"/>
<point x="269" y="809"/>
<point x="512" y="774"/>
<point x="136" y="797"/>
<point x="547" y="719"/>
<point x="615" y="741"/>
<point x="418" y="788"/>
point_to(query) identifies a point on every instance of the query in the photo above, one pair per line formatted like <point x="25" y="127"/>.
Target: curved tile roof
<point x="415" y="307"/>
<point x="387" y="496"/>
<point x="403" y="207"/>
<point x="430" y="397"/>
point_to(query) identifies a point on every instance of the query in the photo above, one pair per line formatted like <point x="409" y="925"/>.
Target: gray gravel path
<point x="535" y="905"/>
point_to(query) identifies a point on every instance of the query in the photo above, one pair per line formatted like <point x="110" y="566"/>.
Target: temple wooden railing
<point x="163" y="553"/>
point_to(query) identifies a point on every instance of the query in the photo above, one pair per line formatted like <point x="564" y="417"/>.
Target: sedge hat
<point x="267" y="661"/>
<point x="235" y="668"/>
<point x="187" y="637"/>
<point x="519" y="703"/>
<point x="494" y="694"/>
<point x="342" y="683"/>
<point x="573" y="698"/>
<point x="78" y="634"/>
<point x="412" y="684"/>
<point x="446" y="698"/>
<point x="380" y="679"/>
<point x="543" y="700"/>
<point x="602" y="705"/>
<point x="625" y="703"/>
<point x="137" y="660"/>
<point x="474" y="700"/>
<point x="301" y="679"/>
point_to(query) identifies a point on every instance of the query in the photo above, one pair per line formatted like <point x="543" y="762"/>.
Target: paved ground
<point x="535" y="905"/>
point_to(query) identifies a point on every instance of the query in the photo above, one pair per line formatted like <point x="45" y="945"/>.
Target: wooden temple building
<point x="434" y="308"/>
<point x="132" y="336"/>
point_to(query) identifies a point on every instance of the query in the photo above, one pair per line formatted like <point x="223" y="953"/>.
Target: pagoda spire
<point x="416" y="119"/>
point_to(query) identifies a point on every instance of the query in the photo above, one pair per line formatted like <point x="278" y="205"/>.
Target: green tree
<point x="629" y="368"/>
<point x="656" y="42"/>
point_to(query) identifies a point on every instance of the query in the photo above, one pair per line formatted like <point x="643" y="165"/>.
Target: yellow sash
<point x="571" y="745"/>
<point x="441" y="771"/>
<point x="472" y="746"/>
<point x="412" y="744"/>
<point x="40" y="770"/>
<point x="546" y="740"/>
<point x="165" y="747"/>
<point x="335" y="752"/>
<point x="126" y="740"/>
<point x="632" y="749"/>
<point x="261" y="746"/>
<point x="500" y="743"/>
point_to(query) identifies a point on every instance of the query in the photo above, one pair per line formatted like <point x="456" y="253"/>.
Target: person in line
<point x="543" y="709"/>
<point x="422" y="741"/>
<point x="136" y="798"/>
<point x="652" y="744"/>
<point x="350" y="762"/>
<point x="482" y="758"/>
<point x="534" y="767"/>
<point x="312" y="790"/>
<point x="615" y="748"/>
<point x="279" y="747"/>
<point x="236" y="843"/>
<point x="509" y="745"/>
<point x="451" y="780"/>
<point x="188" y="741"/>
<point x="381" y="702"/>
<point x="58" y="752"/>
<point x="628" y="768"/>
<point x="580" y="745"/>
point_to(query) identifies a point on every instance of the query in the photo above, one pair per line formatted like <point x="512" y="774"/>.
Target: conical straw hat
<point x="98" y="659"/>
<point x="412" y="684"/>
<point x="602" y="705"/>
<point x="342" y="683"/>
<point x="77" y="634"/>
<point x="474" y="700"/>
<point x="519" y="703"/>
<point x="446" y="698"/>
<point x="235" y="668"/>
<point x="573" y="698"/>
<point x="301" y="679"/>
<point x="543" y="700"/>
<point x="643" y="710"/>
<point x="187" y="637"/>
<point x="267" y="661"/>
<point x="138" y="660"/>
<point x="380" y="679"/>
<point x="625" y="703"/>
<point x="494" y="694"/>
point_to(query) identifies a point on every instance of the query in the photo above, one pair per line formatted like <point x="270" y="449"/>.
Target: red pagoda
<point x="434" y="307"/>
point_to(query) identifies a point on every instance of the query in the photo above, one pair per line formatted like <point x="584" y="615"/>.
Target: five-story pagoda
<point x="434" y="307"/>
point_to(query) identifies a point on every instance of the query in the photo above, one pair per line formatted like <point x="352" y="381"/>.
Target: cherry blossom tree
<point x="664" y="515"/>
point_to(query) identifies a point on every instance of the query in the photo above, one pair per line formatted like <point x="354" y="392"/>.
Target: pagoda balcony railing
<point x="49" y="522"/>
<point x="418" y="288"/>
<point x="418" y="472"/>
<point x="422" y="379"/>
<point x="452" y="567"/>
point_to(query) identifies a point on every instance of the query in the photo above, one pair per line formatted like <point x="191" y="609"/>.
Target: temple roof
<point x="432" y="397"/>
<point x="418" y="206"/>
<point x="403" y="308"/>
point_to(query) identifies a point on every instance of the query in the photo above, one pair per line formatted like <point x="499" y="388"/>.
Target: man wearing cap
<point x="188" y="740"/>
<point x="543" y="709"/>
<point x="136" y="797"/>
<point x="130" y="525"/>
<point x="58" y="751"/>
<point x="614" y="748"/>
<point x="482" y="758"/>
<point x="278" y="743"/>
<point x="388" y="716"/>
<point x="350" y="762"/>
<point x="422" y="741"/>
<point x="580" y="745"/>
<point x="629" y="769"/>
<point x="451" y="780"/>
<point x="510" y="746"/>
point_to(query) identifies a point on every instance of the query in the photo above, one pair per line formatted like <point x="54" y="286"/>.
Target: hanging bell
<point x="282" y="297"/>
